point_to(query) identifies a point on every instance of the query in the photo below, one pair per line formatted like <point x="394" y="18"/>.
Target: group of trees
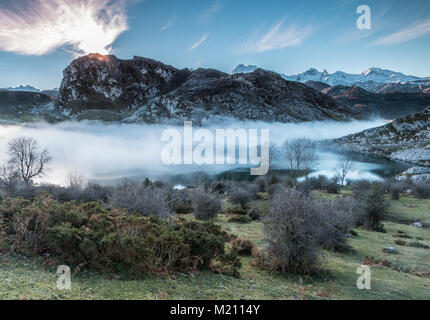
<point x="300" y="157"/>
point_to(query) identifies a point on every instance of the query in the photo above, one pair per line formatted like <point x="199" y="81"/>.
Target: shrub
<point x="374" y="207"/>
<point x="422" y="190"/>
<point x="237" y="211"/>
<point x="240" y="219"/>
<point x="331" y="186"/>
<point x="182" y="202"/>
<point x="318" y="183"/>
<point x="274" y="188"/>
<point x="290" y="229"/>
<point x="359" y="188"/>
<point x="95" y="192"/>
<point x="219" y="187"/>
<point x="228" y="264"/>
<point x="240" y="197"/>
<point x="255" y="214"/>
<point x="261" y="183"/>
<point x="273" y="179"/>
<point x="206" y="206"/>
<point x="396" y="190"/>
<point x="106" y="239"/>
<point x="149" y="200"/>
<point x="418" y="245"/>
<point x="338" y="217"/>
<point x="242" y="247"/>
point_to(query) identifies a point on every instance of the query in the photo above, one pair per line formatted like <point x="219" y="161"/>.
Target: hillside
<point x="388" y="105"/>
<point x="406" y="139"/>
<point x="14" y="104"/>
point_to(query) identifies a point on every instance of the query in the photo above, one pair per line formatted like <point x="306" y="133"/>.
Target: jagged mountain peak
<point x="241" y="68"/>
<point x="146" y="90"/>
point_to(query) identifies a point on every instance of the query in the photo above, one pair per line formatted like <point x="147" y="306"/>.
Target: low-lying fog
<point x="112" y="151"/>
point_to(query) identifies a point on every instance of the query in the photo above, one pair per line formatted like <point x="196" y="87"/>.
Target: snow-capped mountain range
<point x="368" y="79"/>
<point x="21" y="88"/>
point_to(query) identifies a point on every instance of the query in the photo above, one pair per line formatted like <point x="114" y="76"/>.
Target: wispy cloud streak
<point x="169" y="23"/>
<point x="411" y="32"/>
<point x="278" y="37"/>
<point x="199" y="43"/>
<point x="38" y="27"/>
<point x="211" y="11"/>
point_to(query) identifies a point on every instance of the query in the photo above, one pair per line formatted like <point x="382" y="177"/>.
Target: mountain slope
<point x="406" y="139"/>
<point x="147" y="90"/>
<point x="24" y="105"/>
<point x="386" y="105"/>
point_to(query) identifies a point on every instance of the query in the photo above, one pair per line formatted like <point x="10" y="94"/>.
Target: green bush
<point x="255" y="214"/>
<point x="111" y="240"/>
<point x="240" y="219"/>
<point x="374" y="207"/>
<point x="422" y="190"/>
<point x="242" y="246"/>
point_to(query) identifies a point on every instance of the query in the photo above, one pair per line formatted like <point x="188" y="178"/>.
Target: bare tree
<point x="27" y="159"/>
<point x="10" y="180"/>
<point x="75" y="180"/>
<point x="343" y="168"/>
<point x="300" y="154"/>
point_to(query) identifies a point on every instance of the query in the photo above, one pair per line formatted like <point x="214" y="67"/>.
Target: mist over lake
<point x="113" y="151"/>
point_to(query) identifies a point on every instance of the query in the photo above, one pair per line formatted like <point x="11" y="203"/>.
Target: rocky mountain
<point x="371" y="79"/>
<point x="23" y="104"/>
<point x="26" y="88"/>
<point x="405" y="139"/>
<point x="320" y="86"/>
<point x="374" y="80"/>
<point x="146" y="90"/>
<point x="244" y="69"/>
<point x="387" y="105"/>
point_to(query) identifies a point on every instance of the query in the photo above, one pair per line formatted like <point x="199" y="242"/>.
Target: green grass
<point x="35" y="278"/>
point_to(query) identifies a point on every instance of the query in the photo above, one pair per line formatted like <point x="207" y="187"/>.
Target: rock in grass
<point x="417" y="224"/>
<point x="390" y="250"/>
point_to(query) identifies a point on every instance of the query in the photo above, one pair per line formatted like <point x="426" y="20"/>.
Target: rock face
<point x="147" y="90"/>
<point x="386" y="105"/>
<point x="416" y="174"/>
<point x="405" y="139"/>
<point x="108" y="83"/>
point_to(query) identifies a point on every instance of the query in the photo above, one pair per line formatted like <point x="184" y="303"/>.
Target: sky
<point x="39" y="38"/>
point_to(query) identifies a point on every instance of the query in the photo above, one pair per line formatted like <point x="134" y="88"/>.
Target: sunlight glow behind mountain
<point x="81" y="26"/>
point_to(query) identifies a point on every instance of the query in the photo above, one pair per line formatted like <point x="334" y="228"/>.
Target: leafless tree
<point x="300" y="155"/>
<point x="27" y="159"/>
<point x="343" y="168"/>
<point x="75" y="180"/>
<point x="10" y="180"/>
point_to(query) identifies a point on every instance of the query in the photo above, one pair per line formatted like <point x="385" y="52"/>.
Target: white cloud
<point x="199" y="43"/>
<point x="278" y="37"/>
<point x="169" y="23"/>
<point x="38" y="27"/>
<point x="211" y="11"/>
<point x="414" y="31"/>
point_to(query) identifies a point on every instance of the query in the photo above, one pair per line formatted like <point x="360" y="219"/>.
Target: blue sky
<point x="284" y="36"/>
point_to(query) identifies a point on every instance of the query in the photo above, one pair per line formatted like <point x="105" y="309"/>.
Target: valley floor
<point x="405" y="275"/>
